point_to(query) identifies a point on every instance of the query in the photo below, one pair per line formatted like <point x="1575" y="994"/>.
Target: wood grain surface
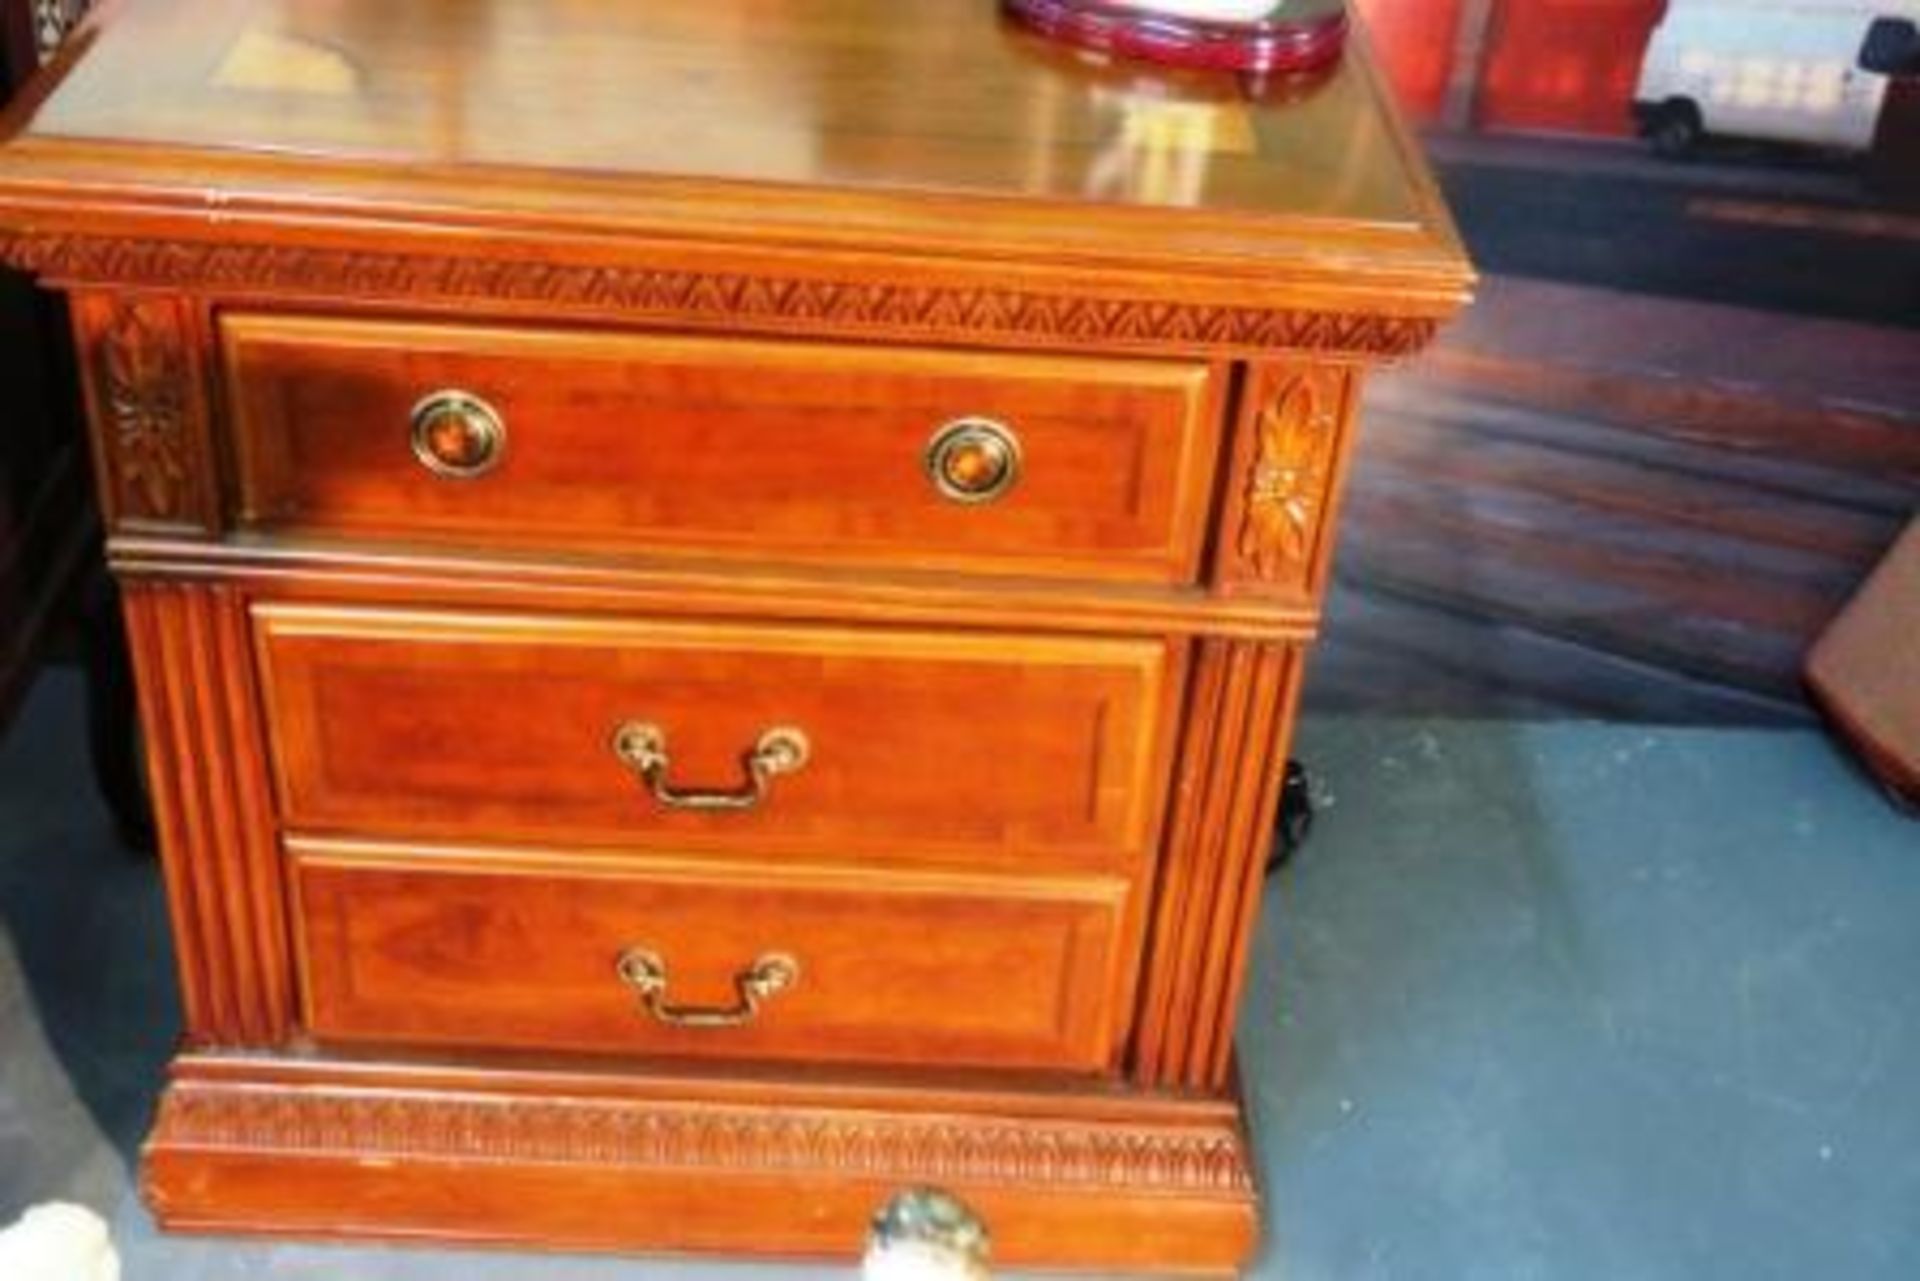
<point x="402" y="945"/>
<point x="1012" y="751"/>
<point x="851" y="122"/>
<point x="611" y="1160"/>
<point x="213" y="811"/>
<point x="748" y="449"/>
<point x="720" y="271"/>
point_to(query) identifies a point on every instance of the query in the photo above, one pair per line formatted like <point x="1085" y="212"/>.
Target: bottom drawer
<point x="529" y="950"/>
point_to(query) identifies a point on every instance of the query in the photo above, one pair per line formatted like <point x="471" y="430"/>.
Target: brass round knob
<point x="973" y="460"/>
<point x="457" y="434"/>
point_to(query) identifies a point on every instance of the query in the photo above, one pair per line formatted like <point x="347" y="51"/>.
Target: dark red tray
<point x="1302" y="35"/>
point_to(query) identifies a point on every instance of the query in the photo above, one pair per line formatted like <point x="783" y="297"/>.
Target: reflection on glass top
<point x="936" y="95"/>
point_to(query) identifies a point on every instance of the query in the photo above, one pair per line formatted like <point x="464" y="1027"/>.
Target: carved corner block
<point x="147" y="401"/>
<point x="1276" y="536"/>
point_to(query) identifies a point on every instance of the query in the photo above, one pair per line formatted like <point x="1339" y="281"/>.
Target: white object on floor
<point x="919" y="1261"/>
<point x="58" y="1242"/>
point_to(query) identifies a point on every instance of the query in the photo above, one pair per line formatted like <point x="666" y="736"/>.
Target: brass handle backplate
<point x="973" y="460"/>
<point x="643" y="746"/>
<point x="645" y="972"/>
<point x="458" y="435"/>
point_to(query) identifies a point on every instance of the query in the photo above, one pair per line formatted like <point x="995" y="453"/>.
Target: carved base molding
<point x="1107" y="1181"/>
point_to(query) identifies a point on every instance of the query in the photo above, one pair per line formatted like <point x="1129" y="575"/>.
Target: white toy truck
<point x="1812" y="72"/>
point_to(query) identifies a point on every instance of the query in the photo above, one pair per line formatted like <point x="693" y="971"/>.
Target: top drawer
<point x="597" y="442"/>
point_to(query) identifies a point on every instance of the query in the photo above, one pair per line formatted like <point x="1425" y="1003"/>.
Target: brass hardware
<point x="973" y="460"/>
<point x="646" y="973"/>
<point x="458" y="435"/>
<point x="782" y="750"/>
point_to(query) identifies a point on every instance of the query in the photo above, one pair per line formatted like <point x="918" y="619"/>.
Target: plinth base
<point x="1098" y="1180"/>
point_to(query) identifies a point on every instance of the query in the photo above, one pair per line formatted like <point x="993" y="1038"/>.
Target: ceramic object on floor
<point x="924" y="1234"/>
<point x="58" y="1242"/>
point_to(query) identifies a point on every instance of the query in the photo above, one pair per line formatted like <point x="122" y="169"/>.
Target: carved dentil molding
<point x="691" y="1136"/>
<point x="893" y="307"/>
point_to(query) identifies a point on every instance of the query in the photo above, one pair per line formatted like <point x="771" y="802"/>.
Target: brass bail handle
<point x="645" y="971"/>
<point x="643" y="747"/>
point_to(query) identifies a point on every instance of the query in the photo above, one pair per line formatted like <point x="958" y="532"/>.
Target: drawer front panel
<point x="717" y="446"/>
<point x="525" y="951"/>
<point x="1028" y="752"/>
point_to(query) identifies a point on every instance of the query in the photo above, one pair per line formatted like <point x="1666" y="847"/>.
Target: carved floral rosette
<point x="1295" y="427"/>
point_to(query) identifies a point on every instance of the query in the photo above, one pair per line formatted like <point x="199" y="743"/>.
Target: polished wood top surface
<point x="936" y="94"/>
<point x="827" y="115"/>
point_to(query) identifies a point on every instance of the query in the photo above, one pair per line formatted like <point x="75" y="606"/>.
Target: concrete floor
<point x="1555" y="1001"/>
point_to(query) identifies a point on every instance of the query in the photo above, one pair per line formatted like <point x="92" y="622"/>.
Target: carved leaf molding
<point x="643" y="1134"/>
<point x="669" y="293"/>
<point x="1287" y="484"/>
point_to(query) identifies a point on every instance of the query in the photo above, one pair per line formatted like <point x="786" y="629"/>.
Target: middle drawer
<point x="868" y="745"/>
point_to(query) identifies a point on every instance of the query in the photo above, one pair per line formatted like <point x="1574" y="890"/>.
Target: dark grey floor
<point x="1583" y="214"/>
<point x="1540" y="1001"/>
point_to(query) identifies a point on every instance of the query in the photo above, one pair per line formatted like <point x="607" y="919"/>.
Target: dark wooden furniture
<point x="1893" y="166"/>
<point x="718" y="591"/>
<point x="45" y="519"/>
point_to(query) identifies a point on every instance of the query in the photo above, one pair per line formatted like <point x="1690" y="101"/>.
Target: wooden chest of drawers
<point x="718" y="591"/>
